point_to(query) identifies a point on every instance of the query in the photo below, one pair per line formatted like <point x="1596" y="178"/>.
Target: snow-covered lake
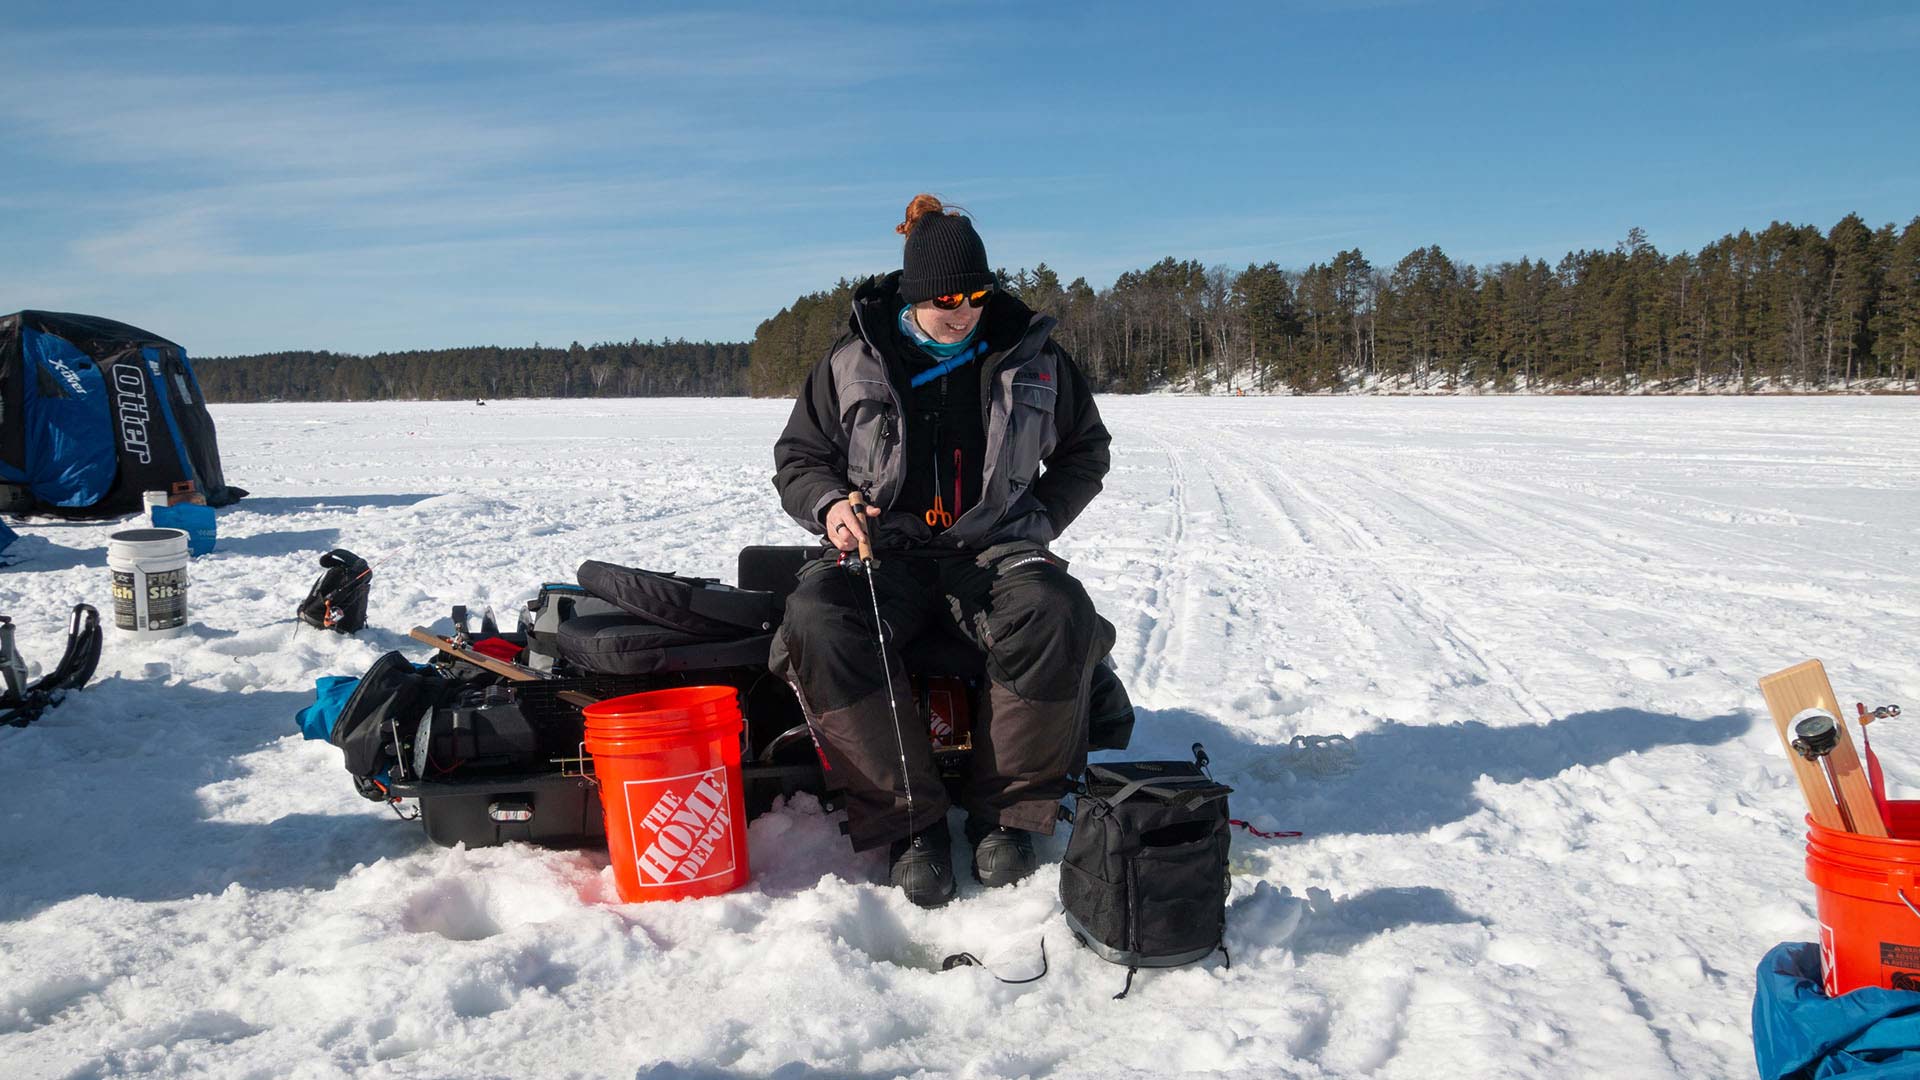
<point x="1568" y="836"/>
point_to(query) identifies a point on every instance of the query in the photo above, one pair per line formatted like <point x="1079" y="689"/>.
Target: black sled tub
<point x="537" y="793"/>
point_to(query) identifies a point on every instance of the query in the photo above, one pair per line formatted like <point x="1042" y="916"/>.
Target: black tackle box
<point x="548" y="808"/>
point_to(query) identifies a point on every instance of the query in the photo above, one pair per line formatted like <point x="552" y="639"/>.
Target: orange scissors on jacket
<point x="938" y="517"/>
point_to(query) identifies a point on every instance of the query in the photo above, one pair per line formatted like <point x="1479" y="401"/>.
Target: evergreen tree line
<point x="633" y="369"/>
<point x="1786" y="307"/>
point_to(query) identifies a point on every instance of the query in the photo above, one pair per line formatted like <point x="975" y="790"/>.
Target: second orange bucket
<point x="668" y="762"/>
<point x="1866" y="889"/>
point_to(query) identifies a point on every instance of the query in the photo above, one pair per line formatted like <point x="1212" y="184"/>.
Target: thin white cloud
<point x="685" y="97"/>
<point x="446" y="159"/>
<point x="757" y="49"/>
<point x="225" y="125"/>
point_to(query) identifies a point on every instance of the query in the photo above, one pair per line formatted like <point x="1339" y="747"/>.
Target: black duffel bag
<point x="1144" y="879"/>
<point x="666" y="623"/>
<point x="618" y="644"/>
<point x="700" y="608"/>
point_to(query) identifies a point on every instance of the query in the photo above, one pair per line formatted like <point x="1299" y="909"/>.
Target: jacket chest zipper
<point x="888" y="433"/>
<point x="939" y="415"/>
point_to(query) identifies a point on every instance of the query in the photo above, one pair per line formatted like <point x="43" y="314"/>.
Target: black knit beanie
<point x="944" y="255"/>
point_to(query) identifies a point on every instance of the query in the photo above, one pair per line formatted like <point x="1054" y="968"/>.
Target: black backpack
<point x="379" y="720"/>
<point x="1144" y="880"/>
<point x="338" y="600"/>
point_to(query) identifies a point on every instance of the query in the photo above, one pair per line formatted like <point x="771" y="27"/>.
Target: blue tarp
<point x="7" y="536"/>
<point x="1800" y="1034"/>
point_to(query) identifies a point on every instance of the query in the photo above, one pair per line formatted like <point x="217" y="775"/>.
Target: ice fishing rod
<point x="858" y="500"/>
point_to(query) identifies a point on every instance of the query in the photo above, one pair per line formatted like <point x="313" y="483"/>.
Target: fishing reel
<point x="1815" y="736"/>
<point x="854" y="564"/>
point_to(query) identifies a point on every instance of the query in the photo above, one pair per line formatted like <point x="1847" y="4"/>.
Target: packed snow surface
<point x="1568" y="832"/>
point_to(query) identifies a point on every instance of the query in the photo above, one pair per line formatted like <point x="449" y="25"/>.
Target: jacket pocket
<point x="1031" y="433"/>
<point x="867" y="417"/>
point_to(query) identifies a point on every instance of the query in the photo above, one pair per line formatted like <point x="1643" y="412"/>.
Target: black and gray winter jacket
<point x="1045" y="454"/>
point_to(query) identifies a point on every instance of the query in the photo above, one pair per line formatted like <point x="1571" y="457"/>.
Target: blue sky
<point x="251" y="177"/>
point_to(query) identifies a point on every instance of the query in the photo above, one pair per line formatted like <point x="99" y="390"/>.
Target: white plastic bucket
<point x="149" y="581"/>
<point x="152" y="499"/>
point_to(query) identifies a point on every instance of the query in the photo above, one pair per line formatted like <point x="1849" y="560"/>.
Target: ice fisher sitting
<point x="974" y="439"/>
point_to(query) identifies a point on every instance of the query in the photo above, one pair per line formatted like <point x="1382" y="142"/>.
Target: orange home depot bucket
<point x="1868" y="903"/>
<point x="668" y="762"/>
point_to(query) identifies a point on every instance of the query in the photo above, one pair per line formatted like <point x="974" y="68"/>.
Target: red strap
<point x="498" y="648"/>
<point x="1876" y="780"/>
<point x="1264" y="835"/>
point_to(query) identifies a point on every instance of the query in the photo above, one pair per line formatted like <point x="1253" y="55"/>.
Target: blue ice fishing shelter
<point x="93" y="412"/>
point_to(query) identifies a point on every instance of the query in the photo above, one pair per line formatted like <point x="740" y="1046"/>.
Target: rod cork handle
<point x="858" y="501"/>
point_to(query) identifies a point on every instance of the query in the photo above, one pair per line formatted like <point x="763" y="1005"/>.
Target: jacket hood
<point x="877" y="304"/>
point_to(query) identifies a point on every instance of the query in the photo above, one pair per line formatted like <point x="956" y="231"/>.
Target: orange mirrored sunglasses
<point x="954" y="300"/>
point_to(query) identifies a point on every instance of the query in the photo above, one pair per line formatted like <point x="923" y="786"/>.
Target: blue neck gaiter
<point x="929" y="346"/>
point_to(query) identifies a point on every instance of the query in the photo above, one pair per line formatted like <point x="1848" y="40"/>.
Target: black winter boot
<point x="1001" y="855"/>
<point x="922" y="866"/>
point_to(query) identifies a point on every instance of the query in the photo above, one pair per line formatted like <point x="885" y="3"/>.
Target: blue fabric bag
<point x="330" y="694"/>
<point x="1801" y="1034"/>
<point x="195" y="520"/>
